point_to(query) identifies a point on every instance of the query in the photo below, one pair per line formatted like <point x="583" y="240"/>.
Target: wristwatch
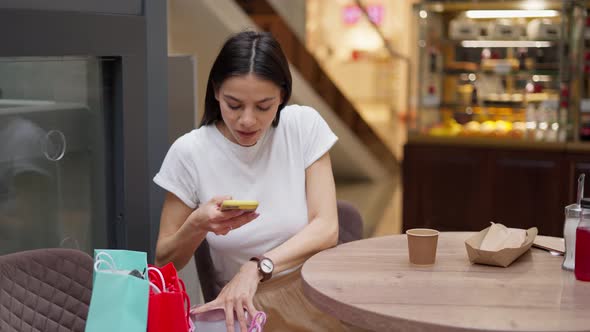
<point x="265" y="266"/>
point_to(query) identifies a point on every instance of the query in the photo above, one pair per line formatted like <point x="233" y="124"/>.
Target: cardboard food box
<point x="503" y="257"/>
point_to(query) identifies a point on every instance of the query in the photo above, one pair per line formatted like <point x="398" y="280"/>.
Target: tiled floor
<point x="378" y="203"/>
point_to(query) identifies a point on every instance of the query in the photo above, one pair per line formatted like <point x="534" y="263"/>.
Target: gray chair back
<point x="350" y="225"/>
<point x="350" y="222"/>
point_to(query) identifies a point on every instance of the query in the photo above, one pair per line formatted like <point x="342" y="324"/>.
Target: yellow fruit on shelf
<point x="471" y="128"/>
<point x="437" y="131"/>
<point x="448" y="128"/>
<point x="503" y="127"/>
<point x="488" y="128"/>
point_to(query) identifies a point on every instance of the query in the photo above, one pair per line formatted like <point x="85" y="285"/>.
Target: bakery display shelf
<point x="553" y="72"/>
<point x="491" y="106"/>
<point x="501" y="43"/>
<point x="494" y="142"/>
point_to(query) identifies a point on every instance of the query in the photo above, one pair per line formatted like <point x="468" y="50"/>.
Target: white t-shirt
<point x="204" y="163"/>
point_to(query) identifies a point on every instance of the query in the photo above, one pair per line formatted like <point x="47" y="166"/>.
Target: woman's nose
<point x="248" y="118"/>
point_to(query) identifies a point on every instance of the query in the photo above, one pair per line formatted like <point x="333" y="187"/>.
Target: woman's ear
<point x="215" y="91"/>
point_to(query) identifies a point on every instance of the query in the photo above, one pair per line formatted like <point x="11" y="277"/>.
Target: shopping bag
<point x="214" y="321"/>
<point x="169" y="304"/>
<point x="119" y="301"/>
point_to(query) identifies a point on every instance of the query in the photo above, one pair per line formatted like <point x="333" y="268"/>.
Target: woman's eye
<point x="234" y="107"/>
<point x="264" y="108"/>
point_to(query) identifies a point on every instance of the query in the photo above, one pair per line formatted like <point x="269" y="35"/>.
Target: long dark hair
<point x="244" y="53"/>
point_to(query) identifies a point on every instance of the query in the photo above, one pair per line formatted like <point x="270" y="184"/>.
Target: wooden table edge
<point x="370" y="320"/>
<point x="374" y="321"/>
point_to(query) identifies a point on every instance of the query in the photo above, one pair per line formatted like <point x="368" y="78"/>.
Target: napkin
<point x="500" y="237"/>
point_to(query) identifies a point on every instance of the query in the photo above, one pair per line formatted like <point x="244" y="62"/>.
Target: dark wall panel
<point x="128" y="7"/>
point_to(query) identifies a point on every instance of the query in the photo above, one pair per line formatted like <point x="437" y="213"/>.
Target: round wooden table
<point x="371" y="284"/>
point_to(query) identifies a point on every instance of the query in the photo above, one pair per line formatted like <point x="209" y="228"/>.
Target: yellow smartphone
<point x="234" y="204"/>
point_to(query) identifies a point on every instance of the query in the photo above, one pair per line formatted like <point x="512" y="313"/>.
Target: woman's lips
<point x="247" y="133"/>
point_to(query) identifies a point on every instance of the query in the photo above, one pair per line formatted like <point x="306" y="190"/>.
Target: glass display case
<point x="82" y="125"/>
<point x="498" y="69"/>
<point x="53" y="172"/>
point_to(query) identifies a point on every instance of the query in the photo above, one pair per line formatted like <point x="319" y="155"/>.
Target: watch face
<point x="266" y="265"/>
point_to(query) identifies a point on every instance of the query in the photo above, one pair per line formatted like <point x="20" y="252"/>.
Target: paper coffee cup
<point x="422" y="244"/>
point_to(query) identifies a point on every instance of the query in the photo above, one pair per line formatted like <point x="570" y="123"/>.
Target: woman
<point x="251" y="146"/>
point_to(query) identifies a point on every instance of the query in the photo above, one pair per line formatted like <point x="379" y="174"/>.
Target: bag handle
<point x="110" y="262"/>
<point x="186" y="298"/>
<point x="257" y="322"/>
<point x="159" y="273"/>
<point x="104" y="253"/>
<point x="187" y="301"/>
<point x="155" y="287"/>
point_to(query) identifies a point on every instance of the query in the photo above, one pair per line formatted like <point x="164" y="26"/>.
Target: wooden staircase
<point x="267" y="19"/>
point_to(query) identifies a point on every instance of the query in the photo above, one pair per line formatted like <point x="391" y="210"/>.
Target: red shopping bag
<point x="169" y="305"/>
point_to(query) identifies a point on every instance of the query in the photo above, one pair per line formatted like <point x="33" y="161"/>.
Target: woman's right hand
<point x="209" y="217"/>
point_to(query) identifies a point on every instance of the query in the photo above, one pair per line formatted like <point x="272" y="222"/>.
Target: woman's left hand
<point x="237" y="296"/>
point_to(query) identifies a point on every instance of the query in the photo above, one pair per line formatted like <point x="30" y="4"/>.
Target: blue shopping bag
<point x="120" y="293"/>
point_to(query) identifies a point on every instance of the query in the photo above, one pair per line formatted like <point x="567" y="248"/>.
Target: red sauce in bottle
<point x="582" y="266"/>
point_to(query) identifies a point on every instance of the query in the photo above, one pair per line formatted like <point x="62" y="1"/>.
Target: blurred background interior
<point x="450" y="114"/>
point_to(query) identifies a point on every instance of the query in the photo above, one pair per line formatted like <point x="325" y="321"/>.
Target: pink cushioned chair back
<point x="45" y="290"/>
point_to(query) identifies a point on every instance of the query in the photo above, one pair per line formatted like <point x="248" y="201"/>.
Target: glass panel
<point x="360" y="49"/>
<point x="52" y="154"/>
